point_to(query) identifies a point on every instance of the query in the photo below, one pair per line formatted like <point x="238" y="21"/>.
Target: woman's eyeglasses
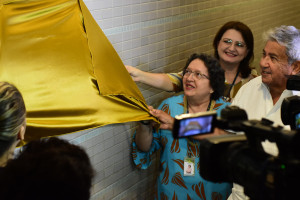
<point x="196" y="74"/>
<point x="229" y="42"/>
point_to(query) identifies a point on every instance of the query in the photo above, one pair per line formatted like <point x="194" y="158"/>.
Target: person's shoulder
<point x="255" y="80"/>
<point x="252" y="83"/>
<point x="247" y="91"/>
<point x="175" y="97"/>
<point x="221" y="103"/>
<point x="178" y="98"/>
<point x="172" y="105"/>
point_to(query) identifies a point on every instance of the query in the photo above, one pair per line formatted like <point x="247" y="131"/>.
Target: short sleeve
<point x="176" y="79"/>
<point x="143" y="159"/>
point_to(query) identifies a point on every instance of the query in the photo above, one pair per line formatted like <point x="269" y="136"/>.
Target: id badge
<point x="189" y="166"/>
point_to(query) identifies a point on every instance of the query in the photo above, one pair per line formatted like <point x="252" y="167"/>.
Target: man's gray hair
<point x="289" y="37"/>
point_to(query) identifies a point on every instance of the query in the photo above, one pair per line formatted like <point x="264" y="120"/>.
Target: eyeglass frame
<point x="229" y="42"/>
<point x="198" y="77"/>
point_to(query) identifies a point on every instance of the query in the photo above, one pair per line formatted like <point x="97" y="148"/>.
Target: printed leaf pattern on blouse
<point x="166" y="109"/>
<point x="163" y="196"/>
<point x="216" y="196"/>
<point x="155" y="138"/>
<point x="194" y="150"/>
<point x="217" y="105"/>
<point x="134" y="153"/>
<point x="139" y="166"/>
<point x="174" y="196"/>
<point x="178" y="180"/>
<point x="181" y="104"/>
<point x="143" y="161"/>
<point x="199" y="189"/>
<point x="161" y="165"/>
<point x="164" y="141"/>
<point x="179" y="162"/>
<point x="175" y="146"/>
<point x="188" y="197"/>
<point x="165" y="179"/>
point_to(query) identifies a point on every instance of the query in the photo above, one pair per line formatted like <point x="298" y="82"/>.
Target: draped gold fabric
<point x="69" y="74"/>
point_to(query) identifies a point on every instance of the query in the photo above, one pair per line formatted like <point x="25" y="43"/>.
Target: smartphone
<point x="186" y="125"/>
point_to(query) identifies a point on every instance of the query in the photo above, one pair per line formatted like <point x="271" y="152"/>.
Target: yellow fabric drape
<point x="70" y="76"/>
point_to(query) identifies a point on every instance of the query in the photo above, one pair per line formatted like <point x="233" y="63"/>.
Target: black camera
<point x="290" y="108"/>
<point x="240" y="158"/>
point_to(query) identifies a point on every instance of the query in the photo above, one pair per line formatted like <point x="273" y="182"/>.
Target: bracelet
<point x="144" y="122"/>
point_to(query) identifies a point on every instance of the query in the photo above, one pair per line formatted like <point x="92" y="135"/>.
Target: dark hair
<point x="48" y="169"/>
<point x="12" y="115"/>
<point x="215" y="71"/>
<point x="247" y="35"/>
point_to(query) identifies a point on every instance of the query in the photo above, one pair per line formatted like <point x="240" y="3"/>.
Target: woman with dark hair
<point x="203" y="85"/>
<point x="233" y="45"/>
<point x="222" y="40"/>
<point x="12" y="120"/>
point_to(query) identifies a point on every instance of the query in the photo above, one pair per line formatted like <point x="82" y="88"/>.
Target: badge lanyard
<point x="231" y="85"/>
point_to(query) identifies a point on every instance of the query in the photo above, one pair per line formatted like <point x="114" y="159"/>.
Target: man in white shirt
<point x="263" y="96"/>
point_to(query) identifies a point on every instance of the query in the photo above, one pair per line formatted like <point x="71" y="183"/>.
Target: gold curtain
<point x="69" y="74"/>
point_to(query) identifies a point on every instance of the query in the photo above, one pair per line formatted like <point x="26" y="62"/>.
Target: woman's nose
<point x="231" y="46"/>
<point x="190" y="76"/>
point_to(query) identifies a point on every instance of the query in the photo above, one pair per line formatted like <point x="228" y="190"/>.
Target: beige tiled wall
<point x="158" y="36"/>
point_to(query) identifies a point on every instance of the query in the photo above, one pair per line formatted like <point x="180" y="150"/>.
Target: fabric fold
<point x="69" y="74"/>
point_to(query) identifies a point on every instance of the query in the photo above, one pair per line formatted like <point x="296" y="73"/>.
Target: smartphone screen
<point x="194" y="124"/>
